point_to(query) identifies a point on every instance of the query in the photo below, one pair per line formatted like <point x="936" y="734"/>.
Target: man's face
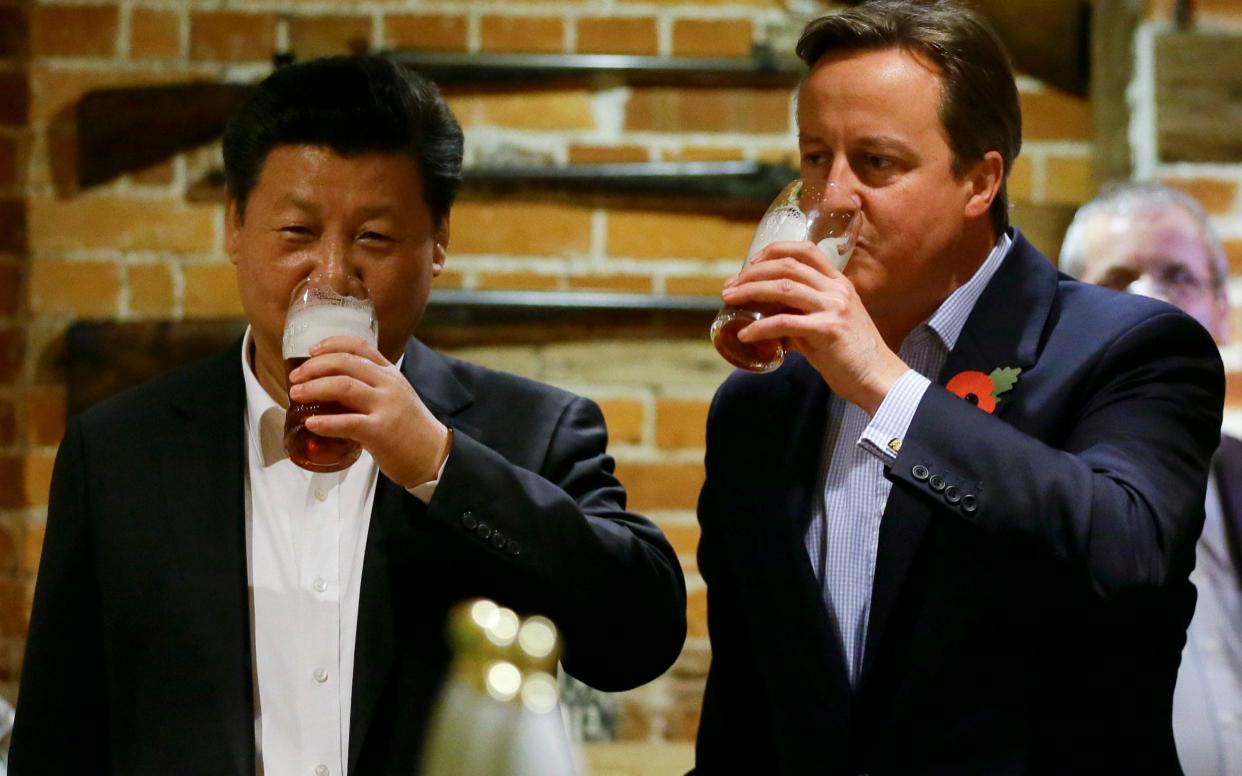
<point x="312" y="210"/>
<point x="1160" y="254"/>
<point x="868" y="121"/>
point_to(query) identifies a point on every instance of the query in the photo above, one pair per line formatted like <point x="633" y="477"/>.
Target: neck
<point x="958" y="266"/>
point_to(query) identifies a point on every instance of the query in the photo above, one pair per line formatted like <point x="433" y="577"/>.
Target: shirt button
<point x="320" y="675"/>
<point x="320" y="585"/>
<point x="321" y="770"/>
<point x="320" y="494"/>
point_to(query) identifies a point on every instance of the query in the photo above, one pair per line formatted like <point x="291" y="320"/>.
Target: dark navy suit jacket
<point x="139" y="661"/>
<point x="1034" y="627"/>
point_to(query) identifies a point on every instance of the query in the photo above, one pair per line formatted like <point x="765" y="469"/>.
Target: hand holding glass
<point x="799" y="213"/>
<point x="324" y="305"/>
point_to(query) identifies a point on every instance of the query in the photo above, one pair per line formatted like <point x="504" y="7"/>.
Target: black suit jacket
<point x="1034" y="627"/>
<point x="139" y="654"/>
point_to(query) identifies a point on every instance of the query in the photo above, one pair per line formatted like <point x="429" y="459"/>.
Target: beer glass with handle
<point x="800" y="212"/>
<point x="326" y="304"/>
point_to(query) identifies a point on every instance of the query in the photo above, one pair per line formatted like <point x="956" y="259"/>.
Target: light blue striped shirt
<point x="845" y="527"/>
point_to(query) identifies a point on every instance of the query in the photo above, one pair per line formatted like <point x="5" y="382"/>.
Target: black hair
<point x="351" y="105"/>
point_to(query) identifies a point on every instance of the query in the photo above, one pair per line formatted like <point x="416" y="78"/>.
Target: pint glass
<point x="324" y="305"/>
<point x="798" y="213"/>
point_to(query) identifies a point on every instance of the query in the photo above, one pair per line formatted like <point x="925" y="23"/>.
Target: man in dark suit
<point x="204" y="606"/>
<point x="952" y="533"/>
<point x="1149" y="239"/>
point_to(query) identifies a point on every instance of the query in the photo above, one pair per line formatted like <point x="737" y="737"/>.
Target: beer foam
<point x="310" y="325"/>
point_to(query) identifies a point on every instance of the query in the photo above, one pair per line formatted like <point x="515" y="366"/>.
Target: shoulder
<point x="1106" y="317"/>
<point x="144" y="403"/>
<point x="517" y="395"/>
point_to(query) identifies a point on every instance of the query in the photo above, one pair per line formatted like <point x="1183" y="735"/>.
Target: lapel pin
<point x="984" y="390"/>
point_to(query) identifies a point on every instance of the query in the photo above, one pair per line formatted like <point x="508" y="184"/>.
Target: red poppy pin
<point x="984" y="390"/>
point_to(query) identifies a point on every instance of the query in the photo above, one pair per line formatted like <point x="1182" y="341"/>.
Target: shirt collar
<point x="950" y="317"/>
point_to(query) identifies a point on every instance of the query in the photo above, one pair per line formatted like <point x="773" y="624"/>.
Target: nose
<point x="838" y="196"/>
<point x="334" y="258"/>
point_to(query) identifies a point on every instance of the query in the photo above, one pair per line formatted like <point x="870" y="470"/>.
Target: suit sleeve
<point x="564" y="546"/>
<point x="733" y="736"/>
<point x="62" y="720"/>
<point x="1121" y="500"/>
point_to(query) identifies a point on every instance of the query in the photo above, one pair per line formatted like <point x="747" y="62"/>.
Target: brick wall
<point x="137" y="249"/>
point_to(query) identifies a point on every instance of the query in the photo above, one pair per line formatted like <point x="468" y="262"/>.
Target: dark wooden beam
<point x="1199" y="97"/>
<point x="1113" y="24"/>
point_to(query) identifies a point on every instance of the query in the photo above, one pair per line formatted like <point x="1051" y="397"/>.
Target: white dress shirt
<point x="306" y="535"/>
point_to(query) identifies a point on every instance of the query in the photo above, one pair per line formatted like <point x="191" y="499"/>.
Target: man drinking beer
<point x="952" y="534"/>
<point x="205" y="606"/>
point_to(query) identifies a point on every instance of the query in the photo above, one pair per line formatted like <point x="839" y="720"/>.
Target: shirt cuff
<point x="424" y="491"/>
<point x="882" y="436"/>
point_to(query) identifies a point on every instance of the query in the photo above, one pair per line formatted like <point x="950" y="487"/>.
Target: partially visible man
<point x="205" y="606"/>
<point x="1149" y="239"/>
<point x="953" y="533"/>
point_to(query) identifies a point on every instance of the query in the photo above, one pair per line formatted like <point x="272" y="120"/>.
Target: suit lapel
<point x="1004" y="329"/>
<point x="375" y="648"/>
<point x="202" y="470"/>
<point x="775" y="539"/>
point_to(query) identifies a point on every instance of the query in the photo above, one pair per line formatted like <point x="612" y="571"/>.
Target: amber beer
<point x="323" y="306"/>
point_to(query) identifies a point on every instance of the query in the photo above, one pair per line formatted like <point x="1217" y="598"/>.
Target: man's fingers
<point x="339" y="362"/>
<point x="781" y="326"/>
<point x="337" y="388"/>
<point x="347" y="425"/>
<point x="783" y="267"/>
<point x="807" y="253"/>
<point x="355" y="345"/>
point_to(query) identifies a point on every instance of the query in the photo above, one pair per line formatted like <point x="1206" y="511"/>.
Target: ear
<point x="984" y="180"/>
<point x="232" y="228"/>
<point x="439" y="251"/>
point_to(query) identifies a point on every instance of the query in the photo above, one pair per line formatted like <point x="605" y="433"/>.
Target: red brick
<point x="211" y="291"/>
<point x="1055" y="115"/>
<point x="14" y="233"/>
<point x="450" y="279"/>
<point x="232" y="36"/>
<point x="634" y="284"/>
<point x="1233" y="250"/>
<point x="150" y="289"/>
<point x="550" y="109"/>
<point x="1020" y="182"/>
<point x="653" y="486"/>
<point x="520" y="228"/>
<point x="10" y="289"/>
<point x="696" y="612"/>
<point x="644" y="234"/>
<point x="14" y="33"/>
<point x="160" y="174"/>
<point x="14" y="608"/>
<point x="79" y="288"/>
<point x="12" y="490"/>
<point x="8" y="422"/>
<point x="625" y="420"/>
<point x="681" y="423"/>
<point x="14" y="98"/>
<point x="1233" y="389"/>
<point x="685" y="540"/>
<point x="1215" y="196"/>
<point x="703" y="154"/>
<point x="712" y="38"/>
<point x="664" y="109"/>
<point x="12" y="351"/>
<point x="697" y="285"/>
<point x="74" y="30"/>
<point x="154" y="34"/>
<point x="45" y="417"/>
<point x="32" y="548"/>
<point x="8" y="161"/>
<point x="604" y="35"/>
<point x="426" y="32"/>
<point x="535" y="34"/>
<point x="1068" y="180"/>
<point x="594" y="154"/>
<point x="121" y="224"/>
<point x="517" y="281"/>
<point x="320" y="36"/>
<point x="8" y="549"/>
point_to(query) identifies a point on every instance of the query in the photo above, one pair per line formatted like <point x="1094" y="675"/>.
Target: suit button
<point x="469" y="521"/>
<point x="920" y="472"/>
<point x="968" y="504"/>
<point x="484" y="531"/>
<point x="498" y="540"/>
<point x="952" y="494"/>
<point x="936" y="483"/>
<point x="513" y="549"/>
